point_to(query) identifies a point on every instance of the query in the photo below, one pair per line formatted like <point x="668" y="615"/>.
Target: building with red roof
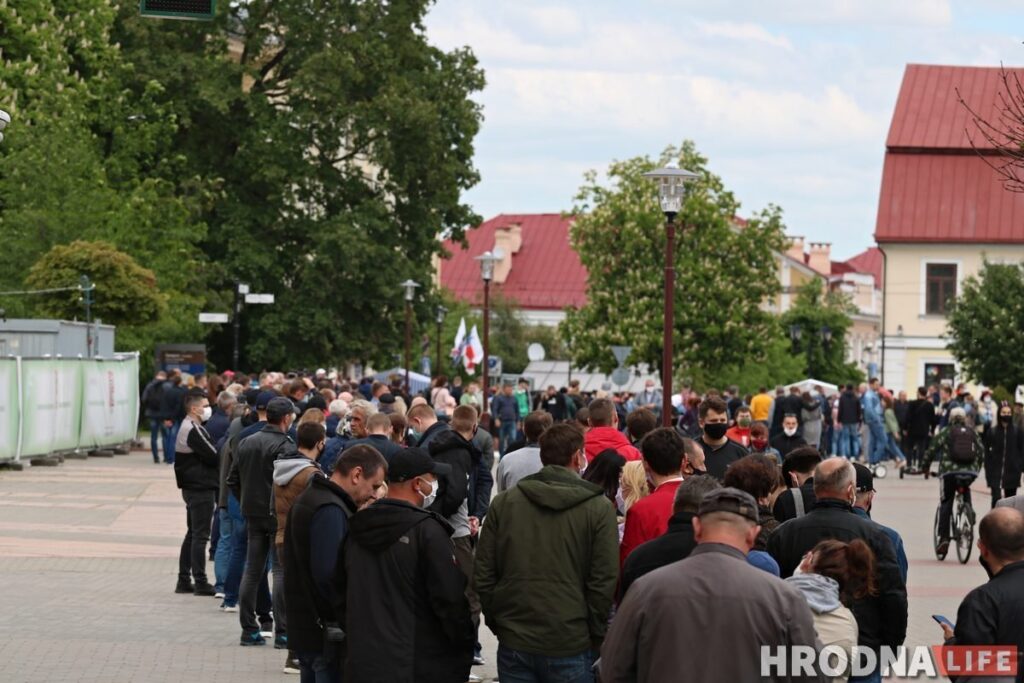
<point x="942" y="211"/>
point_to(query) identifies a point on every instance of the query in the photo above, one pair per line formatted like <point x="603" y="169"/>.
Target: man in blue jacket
<point x="862" y="506"/>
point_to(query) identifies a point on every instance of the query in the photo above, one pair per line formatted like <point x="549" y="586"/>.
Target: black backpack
<point x="961" y="444"/>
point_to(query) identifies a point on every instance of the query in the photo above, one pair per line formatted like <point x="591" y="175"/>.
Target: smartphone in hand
<point x="943" y="621"/>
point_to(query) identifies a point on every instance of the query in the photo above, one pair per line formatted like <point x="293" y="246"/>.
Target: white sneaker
<point x="219" y="594"/>
<point x="229" y="608"/>
<point x="473" y="678"/>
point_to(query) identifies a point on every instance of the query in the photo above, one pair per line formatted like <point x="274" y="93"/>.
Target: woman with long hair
<point x="831" y="577"/>
<point x="605" y="470"/>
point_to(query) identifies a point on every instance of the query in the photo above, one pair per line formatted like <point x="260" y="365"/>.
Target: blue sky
<point x="790" y="99"/>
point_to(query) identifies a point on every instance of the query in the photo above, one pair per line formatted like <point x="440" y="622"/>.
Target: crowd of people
<point x="369" y="532"/>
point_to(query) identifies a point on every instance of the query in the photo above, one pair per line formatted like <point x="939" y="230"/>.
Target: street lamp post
<point x="441" y="313"/>
<point x="86" y="287"/>
<point x="487" y="261"/>
<point x="410" y="294"/>
<point x="671" y="192"/>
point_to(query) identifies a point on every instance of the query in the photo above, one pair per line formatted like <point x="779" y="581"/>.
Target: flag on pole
<point x="474" y="351"/>
<point x="459" y="349"/>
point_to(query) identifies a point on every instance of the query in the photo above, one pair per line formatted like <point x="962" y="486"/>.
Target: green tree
<point x="339" y="140"/>
<point x="724" y="272"/>
<point x="125" y="293"/>
<point x="985" y="325"/>
<point x="813" y="311"/>
<point x="780" y="366"/>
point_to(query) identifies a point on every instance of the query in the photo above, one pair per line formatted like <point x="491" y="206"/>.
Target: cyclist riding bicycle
<point x="961" y="454"/>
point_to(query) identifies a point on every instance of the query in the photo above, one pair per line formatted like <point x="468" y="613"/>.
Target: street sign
<point x="620" y="376"/>
<point x="213" y="317"/>
<point x="535" y="352"/>
<point x="259" y="298"/>
<point x="243" y="288"/>
<point x="196" y="10"/>
<point x="494" y="365"/>
<point x="621" y="353"/>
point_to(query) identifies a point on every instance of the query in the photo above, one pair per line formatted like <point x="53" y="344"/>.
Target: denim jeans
<point x="199" y="507"/>
<point x="893" y="449"/>
<point x="316" y="668"/>
<point x="515" y="666"/>
<point x="849" y="441"/>
<point x="878" y="442"/>
<point x="506" y="434"/>
<point x="260" y="538"/>
<point x="170" y="436"/>
<point x="156" y="430"/>
<point x="230" y="556"/>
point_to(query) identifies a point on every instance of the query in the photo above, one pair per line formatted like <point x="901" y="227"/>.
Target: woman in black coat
<point x="1004" y="455"/>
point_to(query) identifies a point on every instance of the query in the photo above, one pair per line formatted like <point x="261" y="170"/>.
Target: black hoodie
<point x="424" y="633"/>
<point x="452" y="449"/>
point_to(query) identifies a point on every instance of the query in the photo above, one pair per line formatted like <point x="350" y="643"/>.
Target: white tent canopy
<point x="545" y="373"/>
<point x="808" y="384"/>
<point x="417" y="381"/>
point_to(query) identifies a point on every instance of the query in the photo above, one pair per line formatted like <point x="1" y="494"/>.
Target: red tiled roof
<point x="946" y="198"/>
<point x="928" y="112"/>
<point x="868" y="261"/>
<point x="546" y="272"/>
<point x="935" y="187"/>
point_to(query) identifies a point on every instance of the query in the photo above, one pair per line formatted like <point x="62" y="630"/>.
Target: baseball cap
<point x="865" y="479"/>
<point x="732" y="500"/>
<point x="410" y="463"/>
<point x="250" y="396"/>
<point x="264" y="398"/>
<point x="386" y="398"/>
<point x="278" y="408"/>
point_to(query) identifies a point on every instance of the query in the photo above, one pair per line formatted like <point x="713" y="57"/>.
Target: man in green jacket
<point x="547" y="564"/>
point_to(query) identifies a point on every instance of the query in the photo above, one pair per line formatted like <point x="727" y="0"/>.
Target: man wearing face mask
<point x="398" y="548"/>
<point x="740" y="432"/>
<point x="251" y="480"/>
<point x="882" y="618"/>
<point x="719" y="450"/>
<point x="547" y="564"/>
<point x="790" y="439"/>
<point x="197" y="475"/>
<point x="1004" y="455"/>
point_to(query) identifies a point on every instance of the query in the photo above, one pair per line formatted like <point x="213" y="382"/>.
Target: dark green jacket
<point x="547" y="564"/>
<point x="939" y="449"/>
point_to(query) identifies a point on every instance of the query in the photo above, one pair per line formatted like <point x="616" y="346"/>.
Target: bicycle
<point x="962" y="532"/>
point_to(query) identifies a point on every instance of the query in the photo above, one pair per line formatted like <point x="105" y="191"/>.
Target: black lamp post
<point x="439" y="319"/>
<point x="410" y="294"/>
<point x="487" y="261"/>
<point x="671" y="192"/>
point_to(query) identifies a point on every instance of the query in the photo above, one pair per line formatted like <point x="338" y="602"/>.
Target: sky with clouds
<point x="790" y="99"/>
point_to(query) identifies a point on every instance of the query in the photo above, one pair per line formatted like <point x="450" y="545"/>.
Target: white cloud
<point x="743" y="32"/>
<point x="555" y="21"/>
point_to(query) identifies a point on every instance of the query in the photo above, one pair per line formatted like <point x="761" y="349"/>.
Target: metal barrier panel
<point x="110" y="405"/>
<point x="10" y="409"/>
<point x="51" y="405"/>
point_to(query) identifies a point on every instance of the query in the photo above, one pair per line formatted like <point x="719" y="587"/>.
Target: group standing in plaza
<point x="609" y="542"/>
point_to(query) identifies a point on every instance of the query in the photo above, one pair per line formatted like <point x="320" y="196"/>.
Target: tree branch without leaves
<point x="1004" y="152"/>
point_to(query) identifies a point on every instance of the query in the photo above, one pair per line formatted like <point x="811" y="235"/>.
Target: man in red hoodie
<point x="604" y="432"/>
<point x="648" y="518"/>
<point x="740" y="432"/>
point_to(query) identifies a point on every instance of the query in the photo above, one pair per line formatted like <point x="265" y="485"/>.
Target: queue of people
<point x="378" y="551"/>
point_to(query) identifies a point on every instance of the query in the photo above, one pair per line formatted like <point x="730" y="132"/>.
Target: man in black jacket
<point x="850" y="416"/>
<point x="379" y="427"/>
<point x="172" y="411"/>
<point x="252" y="481"/>
<point x="719" y="450"/>
<point x="397" y="548"/>
<point x="798" y="475"/>
<point x="196" y="473"/>
<point x="790" y="439"/>
<point x="677" y="542"/>
<point x="151" y="398"/>
<point x="920" y="420"/>
<point x="313" y="543"/>
<point x="993" y="614"/>
<point x="882" y="619"/>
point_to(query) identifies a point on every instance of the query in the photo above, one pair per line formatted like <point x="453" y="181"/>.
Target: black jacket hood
<point x="381" y="525"/>
<point x="451" y="440"/>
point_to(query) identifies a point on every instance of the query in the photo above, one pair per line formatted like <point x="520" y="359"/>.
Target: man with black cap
<point x="252" y="480"/>
<point x="398" y="548"/>
<point x="862" y="506"/>
<point x="713" y="597"/>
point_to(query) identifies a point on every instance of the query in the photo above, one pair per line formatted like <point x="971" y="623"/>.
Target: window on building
<point x="940" y="287"/>
<point x="939" y="373"/>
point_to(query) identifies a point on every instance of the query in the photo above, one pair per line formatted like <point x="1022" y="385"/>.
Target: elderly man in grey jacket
<point x="714" y="598"/>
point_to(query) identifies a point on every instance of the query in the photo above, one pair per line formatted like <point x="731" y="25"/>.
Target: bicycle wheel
<point x="965" y="541"/>
<point x="935" y="536"/>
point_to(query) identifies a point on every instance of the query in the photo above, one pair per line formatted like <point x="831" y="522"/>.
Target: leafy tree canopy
<point x="812" y="312"/>
<point x="986" y="325"/>
<point x="724" y="272"/>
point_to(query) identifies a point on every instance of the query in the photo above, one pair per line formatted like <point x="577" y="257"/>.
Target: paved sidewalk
<point x="88" y="556"/>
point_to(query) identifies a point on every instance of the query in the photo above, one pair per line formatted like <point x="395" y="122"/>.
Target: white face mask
<point x="429" y="499"/>
<point x="207" y="414"/>
<point x="790" y="432"/>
